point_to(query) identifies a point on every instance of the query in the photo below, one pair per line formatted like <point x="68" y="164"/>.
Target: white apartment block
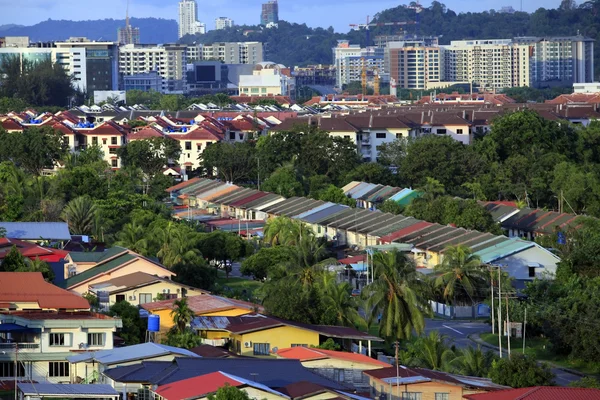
<point x="350" y="60"/>
<point x="228" y="53"/>
<point x="487" y="64"/>
<point x="560" y="60"/>
<point x="413" y="65"/>
<point x="168" y="60"/>
<point x="188" y="19"/>
<point x="223" y="23"/>
<point x="267" y="79"/>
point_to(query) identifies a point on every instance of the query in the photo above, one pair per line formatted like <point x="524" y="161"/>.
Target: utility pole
<point x="397" y="345"/>
<point x="258" y="159"/>
<point x="507" y="326"/>
<point x="16" y="367"/>
<point x="524" y="328"/>
<point x="499" y="312"/>
<point x="492" y="287"/>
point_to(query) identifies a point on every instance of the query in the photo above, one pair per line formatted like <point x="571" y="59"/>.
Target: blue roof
<point x="71" y="390"/>
<point x="36" y="230"/>
<point x="273" y="373"/>
<point x="129" y="353"/>
<point x="503" y="249"/>
<point x="401" y="194"/>
<point x="364" y="190"/>
<point x="319" y="215"/>
<point x="314" y="210"/>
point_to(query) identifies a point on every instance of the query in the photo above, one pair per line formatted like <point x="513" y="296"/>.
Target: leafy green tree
<point x="586" y="382"/>
<point x="8" y="104"/>
<point x="13" y="261"/>
<point x="472" y="361"/>
<point x="233" y="162"/>
<point x="150" y="99"/>
<point x="392" y="207"/>
<point x="372" y="173"/>
<point x="196" y="274"/>
<point x="432" y="352"/>
<point x="187" y="339"/>
<point x="284" y="231"/>
<point x="284" y="181"/>
<point x="81" y="215"/>
<point x="134" y="328"/>
<point x="395" y="297"/>
<point x="329" y="344"/>
<point x="177" y="244"/>
<point x="38" y="265"/>
<point x="259" y="264"/>
<point x="133" y="237"/>
<point x="276" y="150"/>
<point x="461" y="271"/>
<point x="182" y="314"/>
<point x="171" y="102"/>
<point x="338" y="304"/>
<point x="520" y="371"/>
<point x="229" y="392"/>
<point x="2" y="232"/>
<point x="334" y="194"/>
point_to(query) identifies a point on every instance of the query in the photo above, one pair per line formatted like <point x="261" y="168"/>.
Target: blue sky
<point x="336" y="13"/>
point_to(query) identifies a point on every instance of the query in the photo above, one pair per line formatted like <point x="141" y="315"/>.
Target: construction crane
<point x="376" y="81"/>
<point x="367" y="27"/>
<point x="363" y="76"/>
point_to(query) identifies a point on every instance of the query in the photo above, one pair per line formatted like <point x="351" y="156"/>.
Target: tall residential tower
<point x="188" y="19"/>
<point x="128" y="34"/>
<point x="270" y="13"/>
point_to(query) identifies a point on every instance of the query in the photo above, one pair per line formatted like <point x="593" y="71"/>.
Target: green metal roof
<point x="97" y="257"/>
<point x="99" y="269"/>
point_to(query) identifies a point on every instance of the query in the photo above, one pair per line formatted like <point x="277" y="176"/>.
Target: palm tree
<point x="395" y="297"/>
<point x="339" y="301"/>
<point x="307" y="265"/>
<point x="38" y="265"/>
<point x="133" y="237"/>
<point x="182" y="314"/>
<point x="80" y="213"/>
<point x="473" y="362"/>
<point x="176" y="246"/>
<point x="432" y="352"/>
<point x="286" y="232"/>
<point x="460" y="269"/>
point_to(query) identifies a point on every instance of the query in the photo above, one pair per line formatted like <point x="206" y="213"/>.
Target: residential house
<point x="84" y="270"/>
<point x="340" y="366"/>
<point x="202" y="305"/>
<point x="140" y="288"/>
<point x="193" y="142"/>
<point x="539" y="392"/>
<point x="303" y="390"/>
<point x="41" y="325"/>
<point x="420" y="383"/>
<point x="37" y="231"/>
<point x="93" y="363"/>
<point x="261" y="335"/>
<point x="109" y="136"/>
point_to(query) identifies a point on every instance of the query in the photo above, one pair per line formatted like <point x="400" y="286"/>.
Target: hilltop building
<point x="223" y="23"/>
<point x="188" y="19"/>
<point x="269" y="16"/>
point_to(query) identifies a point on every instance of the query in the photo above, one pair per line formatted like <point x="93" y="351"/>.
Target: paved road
<point x="458" y="332"/>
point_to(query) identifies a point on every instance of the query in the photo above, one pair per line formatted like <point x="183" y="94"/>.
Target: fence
<point x="451" y="312"/>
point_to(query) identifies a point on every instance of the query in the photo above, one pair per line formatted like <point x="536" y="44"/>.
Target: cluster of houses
<point x="222" y="205"/>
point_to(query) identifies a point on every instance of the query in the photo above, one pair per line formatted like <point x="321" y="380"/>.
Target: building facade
<point x="351" y="60"/>
<point x="270" y="13"/>
<point x="227" y="52"/>
<point x="146" y="82"/>
<point x="188" y="19"/>
<point x="223" y="23"/>
<point x="414" y="65"/>
<point x="267" y="79"/>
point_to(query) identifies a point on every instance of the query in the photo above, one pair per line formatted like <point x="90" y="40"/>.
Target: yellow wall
<point x="428" y="389"/>
<point x="154" y="290"/>
<point x="233" y="312"/>
<point x="280" y="337"/>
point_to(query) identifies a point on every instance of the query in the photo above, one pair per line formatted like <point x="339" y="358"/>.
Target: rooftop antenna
<point x="127" y="15"/>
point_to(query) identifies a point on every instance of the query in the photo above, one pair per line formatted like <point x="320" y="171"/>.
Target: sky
<point x="336" y="13"/>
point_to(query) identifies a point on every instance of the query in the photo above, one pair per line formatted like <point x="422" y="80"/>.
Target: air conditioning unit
<point x="131" y="298"/>
<point x="166" y="291"/>
<point x="247" y="344"/>
<point x="178" y="290"/>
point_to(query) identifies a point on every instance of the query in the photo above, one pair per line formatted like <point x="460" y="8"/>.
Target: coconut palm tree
<point x="38" y="265"/>
<point x="133" y="237"/>
<point x="473" y="362"/>
<point x="432" y="352"/>
<point x="182" y="314"/>
<point x="286" y="232"/>
<point x="339" y="302"/>
<point x="395" y="296"/>
<point x="80" y="213"/>
<point x="460" y="270"/>
<point x="176" y="246"/>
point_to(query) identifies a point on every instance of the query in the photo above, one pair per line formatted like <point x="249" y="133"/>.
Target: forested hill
<point x="295" y="44"/>
<point x="152" y="30"/>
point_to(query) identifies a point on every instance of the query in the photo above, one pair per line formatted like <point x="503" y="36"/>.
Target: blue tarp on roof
<point x="37" y="230"/>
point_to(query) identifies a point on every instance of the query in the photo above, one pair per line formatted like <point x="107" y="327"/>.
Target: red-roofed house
<point x="340" y="366"/>
<point x="31" y="250"/>
<point x="109" y="135"/>
<point x="539" y="393"/>
<point x="11" y="125"/>
<point x="193" y="143"/>
<point x="200" y="387"/>
<point x="45" y="324"/>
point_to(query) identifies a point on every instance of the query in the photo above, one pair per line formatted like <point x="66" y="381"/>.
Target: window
<point x="381" y="135"/>
<point x="441" y="131"/>
<point x="442" y="396"/>
<point x="7" y="369"/>
<point x="113" y="140"/>
<point x="145" y="298"/>
<point x="114" y="163"/>
<point x="532" y="272"/>
<point x="231" y="135"/>
<point x="346" y="136"/>
<point x="112" y="151"/>
<point x="261" y="349"/>
<point x="57" y="339"/>
<point x="188" y="145"/>
<point x="58" y="368"/>
<point x="459" y="131"/>
<point x="120" y="298"/>
<point x="95" y="339"/>
<point x="338" y="375"/>
<point x="299" y="345"/>
<point x="411" y="396"/>
<point x="95" y="140"/>
<point x="398" y="136"/>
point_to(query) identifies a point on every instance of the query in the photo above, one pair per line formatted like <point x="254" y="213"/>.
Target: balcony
<point x="21" y="347"/>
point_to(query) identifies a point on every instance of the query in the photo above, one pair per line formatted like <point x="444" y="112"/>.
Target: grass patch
<point x="540" y="349"/>
<point x="235" y="285"/>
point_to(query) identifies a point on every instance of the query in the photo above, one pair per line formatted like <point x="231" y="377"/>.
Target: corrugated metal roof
<point x="502" y="250"/>
<point x="37" y="230"/>
<point x="99" y="269"/>
<point x="70" y="390"/>
<point x="313" y="210"/>
<point x="129" y="353"/>
<point x="324" y="213"/>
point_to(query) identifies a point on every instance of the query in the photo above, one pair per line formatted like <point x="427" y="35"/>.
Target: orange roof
<point x="198" y="386"/>
<point x="30" y="287"/>
<point x="310" y="354"/>
<point x="183" y="185"/>
<point x="146" y="133"/>
<point x="11" y="125"/>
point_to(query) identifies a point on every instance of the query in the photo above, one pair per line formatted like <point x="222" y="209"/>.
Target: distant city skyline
<point x="314" y="13"/>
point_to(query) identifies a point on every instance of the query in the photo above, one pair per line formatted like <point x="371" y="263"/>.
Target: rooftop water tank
<point x="153" y="323"/>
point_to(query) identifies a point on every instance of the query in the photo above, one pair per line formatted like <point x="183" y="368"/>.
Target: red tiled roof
<point x="108" y="128"/>
<point x="29" y="287"/>
<point x="31" y="250"/>
<point x="146" y="133"/>
<point x="199" y="304"/>
<point x="306" y="354"/>
<point x="10" y="124"/>
<point x="182" y="185"/>
<point x="62" y="315"/>
<point x="196" y="387"/>
<point x="405" y="231"/>
<point x="539" y="393"/>
<point x="353" y="259"/>
<point x="302" y="389"/>
<point x="196" y="133"/>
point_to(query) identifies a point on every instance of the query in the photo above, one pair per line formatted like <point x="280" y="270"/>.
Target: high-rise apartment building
<point x="128" y="34"/>
<point x="223" y="23"/>
<point x="559" y="60"/>
<point x="168" y="60"/>
<point x="414" y="64"/>
<point x="188" y="19"/>
<point x="270" y="13"/>
<point x="350" y="60"/>
<point x="228" y="53"/>
<point x="487" y="64"/>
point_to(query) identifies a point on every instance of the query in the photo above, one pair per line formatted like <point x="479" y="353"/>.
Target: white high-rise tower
<point x="188" y="19"/>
